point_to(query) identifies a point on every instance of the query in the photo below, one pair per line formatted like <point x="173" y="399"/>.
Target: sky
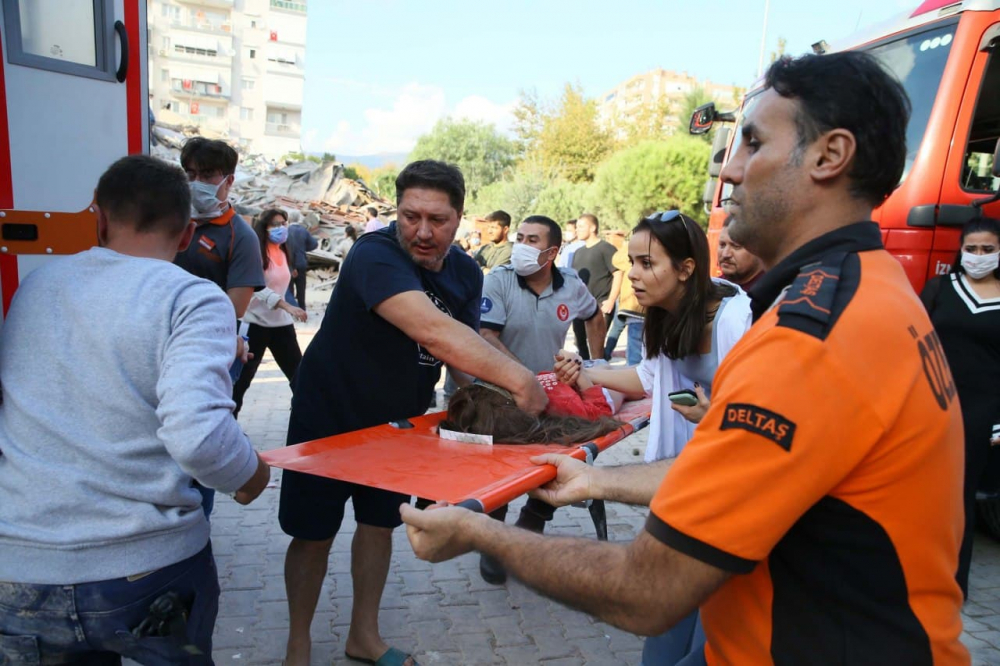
<point x="379" y="73"/>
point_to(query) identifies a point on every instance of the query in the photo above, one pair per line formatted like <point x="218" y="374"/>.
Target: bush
<point x="651" y="176"/>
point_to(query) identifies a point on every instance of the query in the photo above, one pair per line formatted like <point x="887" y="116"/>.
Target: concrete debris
<point x="315" y="194"/>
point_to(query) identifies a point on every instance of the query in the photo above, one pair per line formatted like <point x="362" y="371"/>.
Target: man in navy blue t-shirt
<point x="407" y="301"/>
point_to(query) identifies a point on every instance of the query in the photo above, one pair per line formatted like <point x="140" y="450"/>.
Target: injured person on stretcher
<point x="574" y="414"/>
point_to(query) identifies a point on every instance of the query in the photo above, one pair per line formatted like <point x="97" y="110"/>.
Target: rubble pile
<point x="316" y="194"/>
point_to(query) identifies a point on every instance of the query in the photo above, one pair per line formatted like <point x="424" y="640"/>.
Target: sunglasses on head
<point x="666" y="216"/>
<point x="670" y="216"/>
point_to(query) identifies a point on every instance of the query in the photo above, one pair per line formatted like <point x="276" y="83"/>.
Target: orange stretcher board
<point x="415" y="461"/>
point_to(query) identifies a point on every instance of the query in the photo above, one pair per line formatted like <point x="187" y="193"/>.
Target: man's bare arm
<point x="240" y="296"/>
<point x="458" y="345"/>
<point x="596" y="332"/>
<point x="577" y="481"/>
<point x="644" y="587"/>
<point x="493" y="337"/>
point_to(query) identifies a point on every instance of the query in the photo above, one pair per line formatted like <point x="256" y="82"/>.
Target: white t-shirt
<point x="668" y="430"/>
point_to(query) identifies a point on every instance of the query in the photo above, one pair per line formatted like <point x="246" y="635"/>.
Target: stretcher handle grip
<point x="472" y="504"/>
<point x="123" y="65"/>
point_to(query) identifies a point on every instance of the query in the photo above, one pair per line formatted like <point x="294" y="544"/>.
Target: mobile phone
<point x="684" y="397"/>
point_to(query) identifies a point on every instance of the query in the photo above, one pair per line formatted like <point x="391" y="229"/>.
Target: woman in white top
<point x="345" y="245"/>
<point x="270" y="317"/>
<point x="692" y="322"/>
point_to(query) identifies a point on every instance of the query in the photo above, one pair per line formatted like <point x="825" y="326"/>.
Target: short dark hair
<point x="146" y="193"/>
<point x="590" y="217"/>
<point x="555" y="233"/>
<point x="973" y="226"/>
<point x="850" y="90"/>
<point x="433" y="175"/>
<point x="500" y="217"/>
<point x="209" y="155"/>
<point x="372" y="211"/>
<point x="679" y="334"/>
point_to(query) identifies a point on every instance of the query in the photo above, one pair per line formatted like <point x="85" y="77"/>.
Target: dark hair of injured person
<point x="482" y="410"/>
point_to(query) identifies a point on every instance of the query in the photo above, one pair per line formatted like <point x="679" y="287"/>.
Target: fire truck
<point x="945" y="54"/>
<point x="73" y="99"/>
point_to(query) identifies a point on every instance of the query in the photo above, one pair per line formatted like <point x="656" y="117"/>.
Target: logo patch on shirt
<point x="425" y="357"/>
<point x="760" y="421"/>
<point x="206" y="243"/>
<point x="562" y="312"/>
<point x="486" y="305"/>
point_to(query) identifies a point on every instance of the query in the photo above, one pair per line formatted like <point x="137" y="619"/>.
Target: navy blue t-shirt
<point x="359" y="370"/>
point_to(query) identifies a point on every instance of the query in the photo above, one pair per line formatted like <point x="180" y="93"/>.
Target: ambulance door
<point x="73" y="88"/>
<point x="968" y="174"/>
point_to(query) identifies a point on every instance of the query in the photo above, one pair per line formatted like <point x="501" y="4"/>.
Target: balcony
<point x="198" y="55"/>
<point x="282" y="129"/>
<point x="209" y="3"/>
<point x="199" y="91"/>
<point x="214" y="27"/>
<point x="289" y="5"/>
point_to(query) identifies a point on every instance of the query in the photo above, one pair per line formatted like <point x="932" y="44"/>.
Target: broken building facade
<point x="234" y="68"/>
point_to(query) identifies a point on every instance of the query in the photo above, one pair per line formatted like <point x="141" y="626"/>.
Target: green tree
<point x="482" y="153"/>
<point x="572" y="142"/>
<point x="562" y="200"/>
<point x="529" y="119"/>
<point x="517" y="194"/>
<point x="383" y="181"/>
<point x="651" y="176"/>
<point x="651" y="122"/>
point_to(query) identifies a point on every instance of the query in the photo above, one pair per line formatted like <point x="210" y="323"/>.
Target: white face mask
<point x="205" y="203"/>
<point x="980" y="265"/>
<point x="524" y="259"/>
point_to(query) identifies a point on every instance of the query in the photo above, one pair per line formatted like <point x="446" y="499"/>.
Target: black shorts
<point x="312" y="507"/>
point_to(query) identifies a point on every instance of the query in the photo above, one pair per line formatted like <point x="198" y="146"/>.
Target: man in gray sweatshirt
<point x="116" y="398"/>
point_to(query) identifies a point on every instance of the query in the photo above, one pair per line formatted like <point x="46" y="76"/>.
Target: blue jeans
<point x="91" y="623"/>
<point x="681" y="645"/>
<point x="617" y="326"/>
<point x="633" y="353"/>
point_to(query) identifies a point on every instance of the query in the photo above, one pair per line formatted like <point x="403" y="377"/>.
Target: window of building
<point x="246" y="113"/>
<point x="247" y="84"/>
<point x="170" y="12"/>
<point x="220" y="112"/>
<point x="253" y="53"/>
<point x="253" y="24"/>
<point x="165" y="43"/>
<point x="164" y="76"/>
<point x="290" y="5"/>
<point x="68" y="36"/>
<point x="191" y="50"/>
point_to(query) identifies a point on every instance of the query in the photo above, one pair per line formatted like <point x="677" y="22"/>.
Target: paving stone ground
<point x="445" y="613"/>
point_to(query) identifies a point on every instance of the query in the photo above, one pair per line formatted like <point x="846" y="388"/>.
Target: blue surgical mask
<point x="205" y="202"/>
<point x="278" y="235"/>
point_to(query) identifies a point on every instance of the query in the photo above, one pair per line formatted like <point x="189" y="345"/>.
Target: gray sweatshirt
<point x="115" y="394"/>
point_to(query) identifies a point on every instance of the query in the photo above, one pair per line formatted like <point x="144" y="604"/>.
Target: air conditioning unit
<point x="163" y="52"/>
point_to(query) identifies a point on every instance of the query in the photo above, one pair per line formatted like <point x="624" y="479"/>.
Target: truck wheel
<point x="989" y="514"/>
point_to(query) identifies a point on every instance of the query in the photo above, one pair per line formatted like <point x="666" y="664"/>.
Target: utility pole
<point x="763" y="40"/>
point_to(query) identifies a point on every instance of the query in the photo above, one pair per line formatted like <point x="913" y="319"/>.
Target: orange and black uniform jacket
<point x="827" y="475"/>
